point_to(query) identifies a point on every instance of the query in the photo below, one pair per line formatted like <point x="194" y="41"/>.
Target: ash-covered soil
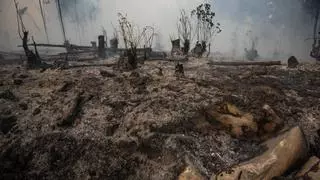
<point x="139" y="124"/>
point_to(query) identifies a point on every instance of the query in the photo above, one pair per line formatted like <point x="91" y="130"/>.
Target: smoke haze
<point x="279" y="25"/>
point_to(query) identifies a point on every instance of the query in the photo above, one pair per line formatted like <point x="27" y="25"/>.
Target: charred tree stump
<point x="132" y="57"/>
<point x="101" y="48"/>
<point x="197" y="50"/>
<point x="204" y="47"/>
<point x="144" y="53"/>
<point x="160" y="72"/>
<point x="94" y="44"/>
<point x="293" y="62"/>
<point x="179" y="71"/>
<point x="114" y="44"/>
<point x="175" y="46"/>
<point x="186" y="47"/>
<point x="209" y="51"/>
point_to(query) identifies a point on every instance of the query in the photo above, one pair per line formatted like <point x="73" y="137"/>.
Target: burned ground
<point x="142" y="125"/>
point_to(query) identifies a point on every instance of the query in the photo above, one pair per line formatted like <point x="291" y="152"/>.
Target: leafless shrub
<point x="132" y="38"/>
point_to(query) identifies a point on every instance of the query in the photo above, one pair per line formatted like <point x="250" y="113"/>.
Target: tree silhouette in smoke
<point x="206" y="27"/>
<point x="313" y="8"/>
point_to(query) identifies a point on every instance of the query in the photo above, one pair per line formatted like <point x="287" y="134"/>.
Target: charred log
<point x="250" y="63"/>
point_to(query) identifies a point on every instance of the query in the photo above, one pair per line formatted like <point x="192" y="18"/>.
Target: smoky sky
<point x="80" y="11"/>
<point x="282" y="23"/>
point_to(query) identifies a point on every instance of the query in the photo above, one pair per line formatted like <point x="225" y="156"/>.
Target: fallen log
<point x="284" y="152"/>
<point x="246" y="63"/>
<point x="74" y="46"/>
<point x="60" y="46"/>
<point x="170" y="59"/>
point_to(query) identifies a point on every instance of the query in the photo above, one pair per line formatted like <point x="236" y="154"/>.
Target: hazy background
<point x="280" y="25"/>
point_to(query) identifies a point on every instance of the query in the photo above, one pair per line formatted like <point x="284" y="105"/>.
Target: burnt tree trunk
<point x="315" y="29"/>
<point x="204" y="47"/>
<point x="209" y="51"/>
<point x="33" y="60"/>
<point x="144" y="53"/>
<point x="101" y="47"/>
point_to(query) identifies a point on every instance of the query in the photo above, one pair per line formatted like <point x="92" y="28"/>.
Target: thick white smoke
<point x="275" y="24"/>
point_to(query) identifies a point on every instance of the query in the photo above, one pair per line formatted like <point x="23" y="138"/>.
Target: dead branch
<point x="35" y="48"/>
<point x="33" y="60"/>
<point x="132" y="37"/>
<point x="239" y="63"/>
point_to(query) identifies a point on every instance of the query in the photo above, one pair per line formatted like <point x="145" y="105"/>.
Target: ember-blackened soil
<point x="139" y="124"/>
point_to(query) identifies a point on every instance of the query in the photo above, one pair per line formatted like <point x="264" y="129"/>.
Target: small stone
<point x="36" y="111"/>
<point x="135" y="74"/>
<point x="35" y="95"/>
<point x="8" y="95"/>
<point x="42" y="70"/>
<point x="22" y="76"/>
<point x="106" y="74"/>
<point x="6" y="111"/>
<point x="7" y="123"/>
<point x="66" y="86"/>
<point x="23" y="106"/>
<point x="17" y="81"/>
<point x="293" y="62"/>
